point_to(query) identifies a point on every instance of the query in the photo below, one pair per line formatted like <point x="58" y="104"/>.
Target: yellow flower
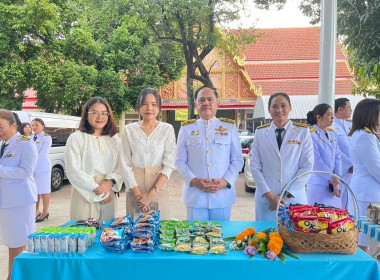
<point x="253" y="242"/>
<point x="275" y="245"/>
<point x="243" y="236"/>
<point x="261" y="235"/>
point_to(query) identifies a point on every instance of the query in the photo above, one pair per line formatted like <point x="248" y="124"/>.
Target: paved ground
<point x="60" y="201"/>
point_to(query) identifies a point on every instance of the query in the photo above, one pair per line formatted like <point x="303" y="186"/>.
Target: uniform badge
<point x="193" y="141"/>
<point x="320" y="140"/>
<point x="195" y="133"/>
<point x="221" y="131"/>
<point x="10" y="155"/>
<point x="294" y="142"/>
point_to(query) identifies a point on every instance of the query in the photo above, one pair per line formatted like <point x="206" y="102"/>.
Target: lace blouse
<point x="144" y="151"/>
<point x="88" y="156"/>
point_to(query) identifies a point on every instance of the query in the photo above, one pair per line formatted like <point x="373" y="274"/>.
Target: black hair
<point x="144" y="93"/>
<point x="318" y="110"/>
<point x="203" y="87"/>
<point x="278" y="94"/>
<point x="366" y="114"/>
<point x="21" y="127"/>
<point x="18" y="122"/>
<point x="340" y="103"/>
<point x="39" y="120"/>
<point x="109" y="129"/>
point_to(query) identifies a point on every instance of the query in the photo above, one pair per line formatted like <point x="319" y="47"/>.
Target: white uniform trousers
<point x="205" y="214"/>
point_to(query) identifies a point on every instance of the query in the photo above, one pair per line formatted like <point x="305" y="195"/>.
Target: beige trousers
<point x="81" y="209"/>
<point x="145" y="178"/>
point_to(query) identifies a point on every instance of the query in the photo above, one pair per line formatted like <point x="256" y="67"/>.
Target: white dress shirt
<point x="144" y="151"/>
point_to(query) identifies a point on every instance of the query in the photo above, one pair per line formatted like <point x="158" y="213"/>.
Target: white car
<point x="250" y="185"/>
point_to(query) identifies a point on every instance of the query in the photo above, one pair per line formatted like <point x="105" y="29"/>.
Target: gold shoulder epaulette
<point x="312" y="130"/>
<point x="368" y="130"/>
<point x="25" y="138"/>
<point x="300" y="124"/>
<point x="188" y="122"/>
<point x="46" y="134"/>
<point x="264" y="125"/>
<point x="331" y="129"/>
<point x="227" y="120"/>
<point x="349" y="120"/>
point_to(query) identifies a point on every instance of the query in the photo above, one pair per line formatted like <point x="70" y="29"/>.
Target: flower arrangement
<point x="268" y="243"/>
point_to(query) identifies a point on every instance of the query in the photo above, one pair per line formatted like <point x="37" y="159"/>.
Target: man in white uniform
<point x="209" y="158"/>
<point x="342" y="126"/>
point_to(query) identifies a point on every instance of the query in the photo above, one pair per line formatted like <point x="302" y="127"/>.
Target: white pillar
<point x="327" y="61"/>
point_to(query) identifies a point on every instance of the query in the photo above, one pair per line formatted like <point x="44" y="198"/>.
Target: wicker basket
<point x="301" y="242"/>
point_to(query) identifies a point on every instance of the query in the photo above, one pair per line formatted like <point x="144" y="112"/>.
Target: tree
<point x="69" y="51"/>
<point x="359" y="31"/>
<point x="193" y="26"/>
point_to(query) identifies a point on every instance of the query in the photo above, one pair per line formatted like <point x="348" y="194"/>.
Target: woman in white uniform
<point x="148" y="156"/>
<point x="365" y="155"/>
<point x="25" y="129"/>
<point x="281" y="151"/>
<point x="42" y="173"/>
<point x="18" y="192"/>
<point x="91" y="158"/>
<point x="323" y="188"/>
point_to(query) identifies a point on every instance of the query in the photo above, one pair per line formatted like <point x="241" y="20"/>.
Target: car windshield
<point x="246" y="142"/>
<point x="245" y="133"/>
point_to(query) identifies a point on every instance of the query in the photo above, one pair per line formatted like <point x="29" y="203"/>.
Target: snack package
<point x="218" y="249"/>
<point x="311" y="224"/>
<point x="122" y="221"/>
<point x="302" y="210"/>
<point x="83" y="241"/>
<point x="65" y="243"/>
<point x="342" y="225"/>
<point x="167" y="246"/>
<point x="31" y="243"/>
<point x="51" y="243"/>
<point x="44" y="244"/>
<point x="199" y="250"/>
<point x="73" y="242"/>
<point x="183" y="247"/>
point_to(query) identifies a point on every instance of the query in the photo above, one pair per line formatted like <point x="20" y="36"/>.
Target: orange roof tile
<point x="287" y="44"/>
<point x="302" y="87"/>
<point x="292" y="70"/>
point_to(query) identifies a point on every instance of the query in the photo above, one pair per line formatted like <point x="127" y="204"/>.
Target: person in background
<point x="18" y="192"/>
<point x="365" y="156"/>
<point x="148" y="155"/>
<point x="209" y="159"/>
<point x="42" y="173"/>
<point x="92" y="163"/>
<point x="342" y="126"/>
<point x="281" y="150"/>
<point x="25" y="129"/>
<point x="323" y="188"/>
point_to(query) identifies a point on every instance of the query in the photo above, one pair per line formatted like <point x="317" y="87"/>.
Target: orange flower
<point x="261" y="235"/>
<point x="273" y="234"/>
<point x="275" y="245"/>
<point x="253" y="242"/>
<point x="243" y="236"/>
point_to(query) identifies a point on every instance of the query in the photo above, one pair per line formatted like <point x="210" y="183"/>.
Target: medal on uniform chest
<point x="195" y="133"/>
<point x="221" y="131"/>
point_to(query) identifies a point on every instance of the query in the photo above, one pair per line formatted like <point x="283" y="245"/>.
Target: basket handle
<point x="288" y="186"/>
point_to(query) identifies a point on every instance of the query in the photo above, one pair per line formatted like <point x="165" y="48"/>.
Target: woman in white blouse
<point x="92" y="157"/>
<point x="148" y="155"/>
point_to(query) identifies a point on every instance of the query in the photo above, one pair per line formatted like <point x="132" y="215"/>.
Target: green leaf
<point x="285" y="251"/>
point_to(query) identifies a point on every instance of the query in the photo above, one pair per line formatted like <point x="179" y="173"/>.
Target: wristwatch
<point x="156" y="189"/>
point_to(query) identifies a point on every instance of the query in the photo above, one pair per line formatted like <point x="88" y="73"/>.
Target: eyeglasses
<point x="96" y="114"/>
<point x="2" y="128"/>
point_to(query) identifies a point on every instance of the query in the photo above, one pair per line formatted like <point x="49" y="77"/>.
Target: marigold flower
<point x="253" y="242"/>
<point x="275" y="245"/>
<point x="261" y="235"/>
<point x="274" y="234"/>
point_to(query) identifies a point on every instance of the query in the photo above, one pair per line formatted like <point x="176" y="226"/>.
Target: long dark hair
<point x="366" y="114"/>
<point x="318" y="110"/>
<point x="144" y="93"/>
<point x="109" y="129"/>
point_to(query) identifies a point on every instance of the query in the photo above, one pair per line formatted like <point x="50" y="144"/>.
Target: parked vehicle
<point x="59" y="127"/>
<point x="246" y="145"/>
<point x="250" y="185"/>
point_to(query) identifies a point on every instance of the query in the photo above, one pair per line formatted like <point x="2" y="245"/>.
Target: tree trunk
<point x="190" y="96"/>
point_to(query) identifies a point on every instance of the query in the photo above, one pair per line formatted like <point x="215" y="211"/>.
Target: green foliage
<point x="72" y="50"/>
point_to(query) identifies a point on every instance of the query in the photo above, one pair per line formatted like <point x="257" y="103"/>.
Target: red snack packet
<point x="302" y="210"/>
<point x="311" y="224"/>
<point x="342" y="225"/>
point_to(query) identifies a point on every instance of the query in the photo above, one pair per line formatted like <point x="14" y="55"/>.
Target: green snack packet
<point x="183" y="247"/>
<point x="166" y="246"/>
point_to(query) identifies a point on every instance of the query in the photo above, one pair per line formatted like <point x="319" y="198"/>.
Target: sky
<point x="289" y="16"/>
